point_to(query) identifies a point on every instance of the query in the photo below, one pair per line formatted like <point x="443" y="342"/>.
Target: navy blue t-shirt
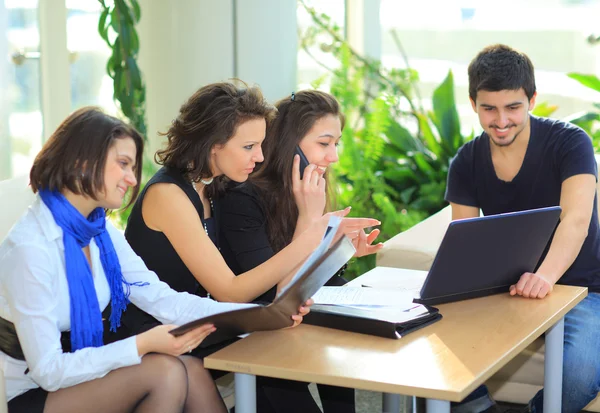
<point x="556" y="151"/>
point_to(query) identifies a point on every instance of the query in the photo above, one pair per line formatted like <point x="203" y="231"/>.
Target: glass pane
<point x="449" y="38"/>
<point x="20" y="111"/>
<point x="90" y="85"/>
<point x="313" y="63"/>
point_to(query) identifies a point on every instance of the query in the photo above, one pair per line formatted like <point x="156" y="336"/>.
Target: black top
<point x="556" y="151"/>
<point x="154" y="247"/>
<point x="243" y="233"/>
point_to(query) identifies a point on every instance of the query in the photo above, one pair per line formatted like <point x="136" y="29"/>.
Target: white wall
<point x="266" y="45"/>
<point x="186" y="44"/>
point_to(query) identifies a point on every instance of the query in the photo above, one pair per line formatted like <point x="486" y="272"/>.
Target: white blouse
<point x="34" y="295"/>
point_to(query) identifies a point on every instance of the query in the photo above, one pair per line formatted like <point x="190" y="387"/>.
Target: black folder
<point x="372" y="321"/>
<point x="277" y="314"/>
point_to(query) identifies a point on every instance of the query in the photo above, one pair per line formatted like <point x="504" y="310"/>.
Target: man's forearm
<point x="565" y="247"/>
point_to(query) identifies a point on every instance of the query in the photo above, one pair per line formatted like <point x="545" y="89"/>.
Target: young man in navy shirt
<point x="521" y="162"/>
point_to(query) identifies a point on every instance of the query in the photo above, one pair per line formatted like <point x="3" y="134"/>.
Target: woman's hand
<point x="159" y="340"/>
<point x="309" y="192"/>
<point x="363" y="243"/>
<point x="352" y="227"/>
<point x="302" y="311"/>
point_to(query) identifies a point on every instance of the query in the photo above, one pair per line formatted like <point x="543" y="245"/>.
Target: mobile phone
<point x="303" y="161"/>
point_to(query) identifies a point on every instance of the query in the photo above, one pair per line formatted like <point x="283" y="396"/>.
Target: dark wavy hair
<point x="210" y="117"/>
<point x="273" y="177"/>
<point x="500" y="67"/>
<point x="74" y="157"/>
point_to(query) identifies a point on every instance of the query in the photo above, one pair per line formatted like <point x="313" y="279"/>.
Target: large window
<point x="20" y="114"/>
<point x="90" y="85"/>
<point x="438" y="35"/>
<point x="21" y="107"/>
<point x="313" y="62"/>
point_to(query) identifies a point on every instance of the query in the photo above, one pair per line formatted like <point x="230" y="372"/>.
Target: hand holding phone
<point x="303" y="161"/>
<point x="308" y="186"/>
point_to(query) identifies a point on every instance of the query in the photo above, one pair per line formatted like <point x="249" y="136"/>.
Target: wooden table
<point x="443" y="362"/>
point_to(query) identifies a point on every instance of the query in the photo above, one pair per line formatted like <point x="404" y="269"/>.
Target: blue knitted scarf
<point x="86" y="317"/>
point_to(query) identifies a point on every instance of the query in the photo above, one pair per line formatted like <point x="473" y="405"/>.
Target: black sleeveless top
<point x="154" y="247"/>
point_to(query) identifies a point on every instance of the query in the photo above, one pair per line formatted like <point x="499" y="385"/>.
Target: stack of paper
<point x="365" y="298"/>
<point x="391" y="278"/>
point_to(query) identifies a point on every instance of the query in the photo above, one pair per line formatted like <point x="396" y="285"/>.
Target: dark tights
<point x="161" y="383"/>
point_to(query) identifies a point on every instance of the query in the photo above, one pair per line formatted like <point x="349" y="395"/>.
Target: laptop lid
<point x="485" y="255"/>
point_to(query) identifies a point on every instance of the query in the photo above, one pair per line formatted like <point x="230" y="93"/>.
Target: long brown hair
<point x="74" y="157"/>
<point x="208" y="118"/>
<point x="297" y="114"/>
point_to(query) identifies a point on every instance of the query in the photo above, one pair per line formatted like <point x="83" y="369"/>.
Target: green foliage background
<point x="394" y="155"/>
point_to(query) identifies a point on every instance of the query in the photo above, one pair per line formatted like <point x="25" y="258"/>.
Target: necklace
<point x="211" y="206"/>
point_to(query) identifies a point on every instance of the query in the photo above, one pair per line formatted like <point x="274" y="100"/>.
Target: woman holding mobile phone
<point x="286" y="193"/>
<point x="174" y="225"/>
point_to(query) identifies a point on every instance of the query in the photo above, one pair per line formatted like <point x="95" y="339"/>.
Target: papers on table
<point x="392" y="278"/>
<point x="364" y="297"/>
<point x="385" y="289"/>
<point x="379" y="302"/>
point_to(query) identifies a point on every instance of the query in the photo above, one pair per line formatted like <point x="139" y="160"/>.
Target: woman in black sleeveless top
<point x="154" y="247"/>
<point x="215" y="139"/>
<point x="263" y="215"/>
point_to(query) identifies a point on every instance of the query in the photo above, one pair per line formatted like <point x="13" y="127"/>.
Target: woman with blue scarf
<point x="66" y="277"/>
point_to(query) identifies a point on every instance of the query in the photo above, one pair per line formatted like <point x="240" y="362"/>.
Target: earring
<point x="206" y="181"/>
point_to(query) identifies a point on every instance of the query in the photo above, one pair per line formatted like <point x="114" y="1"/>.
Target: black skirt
<point x="32" y="401"/>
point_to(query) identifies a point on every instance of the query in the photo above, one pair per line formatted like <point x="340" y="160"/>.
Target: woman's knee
<point x="167" y="373"/>
<point x="195" y="369"/>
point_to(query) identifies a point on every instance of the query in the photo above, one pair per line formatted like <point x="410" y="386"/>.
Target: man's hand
<point x="532" y="285"/>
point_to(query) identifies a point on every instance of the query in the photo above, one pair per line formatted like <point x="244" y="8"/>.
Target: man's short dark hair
<point x="500" y="67"/>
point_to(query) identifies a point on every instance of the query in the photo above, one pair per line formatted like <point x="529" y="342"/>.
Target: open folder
<point x="321" y="265"/>
<point x="389" y="322"/>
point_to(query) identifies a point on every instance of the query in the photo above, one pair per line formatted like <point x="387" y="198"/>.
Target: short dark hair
<point x="500" y="67"/>
<point x="74" y="157"/>
<point x="296" y="115"/>
<point x="210" y="117"/>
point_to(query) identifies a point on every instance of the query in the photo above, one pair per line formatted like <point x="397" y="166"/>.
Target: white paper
<point x="364" y="297"/>
<point x="399" y="316"/>
<point x="400" y="279"/>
